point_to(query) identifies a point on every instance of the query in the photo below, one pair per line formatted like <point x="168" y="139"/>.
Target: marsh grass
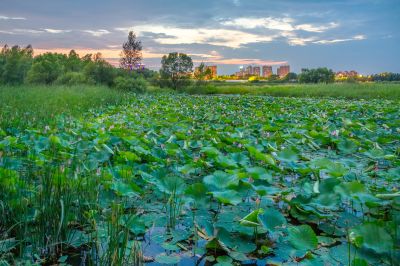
<point x="37" y="106"/>
<point x="337" y="90"/>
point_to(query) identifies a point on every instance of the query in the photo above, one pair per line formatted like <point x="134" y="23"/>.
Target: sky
<point x="361" y="35"/>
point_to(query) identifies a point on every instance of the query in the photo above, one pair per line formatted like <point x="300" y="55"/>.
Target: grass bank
<point x="338" y="90"/>
<point x="37" y="106"/>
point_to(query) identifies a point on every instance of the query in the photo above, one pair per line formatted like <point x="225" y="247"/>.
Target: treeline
<point x="20" y="66"/>
<point x="386" y="76"/>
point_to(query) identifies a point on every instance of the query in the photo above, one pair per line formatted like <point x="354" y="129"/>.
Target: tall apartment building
<point x="283" y="70"/>
<point x="249" y="70"/>
<point x="267" y="71"/>
<point x="256" y="71"/>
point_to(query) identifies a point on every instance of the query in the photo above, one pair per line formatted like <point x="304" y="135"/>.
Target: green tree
<point x="176" y="68"/>
<point x="99" y="71"/>
<point x="46" y="68"/>
<point x="15" y="63"/>
<point x="131" y="56"/>
<point x="318" y="75"/>
<point x="73" y="62"/>
<point x="290" y="77"/>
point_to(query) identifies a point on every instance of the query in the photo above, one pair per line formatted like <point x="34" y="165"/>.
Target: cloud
<point x="27" y="31"/>
<point x="6" y="32"/>
<point x="55" y="31"/>
<point x="218" y="37"/>
<point x="113" y="46"/>
<point x="11" y="18"/>
<point x="298" y="41"/>
<point x="316" y="28"/>
<point x="236" y="2"/>
<point x="354" y="38"/>
<point x="283" y="24"/>
<point x="279" y="24"/>
<point x="97" y="33"/>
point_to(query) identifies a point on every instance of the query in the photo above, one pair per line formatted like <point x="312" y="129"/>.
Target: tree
<point x="202" y="73"/>
<point x="99" y="71"/>
<point x="290" y="77"/>
<point x="131" y="56"/>
<point x="319" y="75"/>
<point x="176" y="68"/>
<point x="15" y="63"/>
<point x="46" y="68"/>
<point x="73" y="63"/>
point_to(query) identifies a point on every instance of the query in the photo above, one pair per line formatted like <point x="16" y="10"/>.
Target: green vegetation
<point x="19" y="66"/>
<point x="27" y="107"/>
<point x="223" y="179"/>
<point x="319" y="75"/>
<point x="176" y="70"/>
<point x="338" y="90"/>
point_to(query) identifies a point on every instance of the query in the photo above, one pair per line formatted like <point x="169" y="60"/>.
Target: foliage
<point x="386" y="76"/>
<point x="14" y="64"/>
<point x="339" y="90"/>
<point x="228" y="178"/>
<point x="46" y="68"/>
<point x="99" y="71"/>
<point x="177" y="69"/>
<point x="202" y="73"/>
<point x="319" y="75"/>
<point x="71" y="78"/>
<point x="22" y="107"/>
<point x="131" y="53"/>
<point x="131" y="84"/>
<point x="18" y="66"/>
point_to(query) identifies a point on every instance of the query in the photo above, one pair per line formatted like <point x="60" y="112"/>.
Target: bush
<point x="72" y="78"/>
<point x="138" y="85"/>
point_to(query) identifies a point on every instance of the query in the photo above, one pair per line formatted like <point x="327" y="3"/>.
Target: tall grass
<point x="338" y="90"/>
<point x="37" y="106"/>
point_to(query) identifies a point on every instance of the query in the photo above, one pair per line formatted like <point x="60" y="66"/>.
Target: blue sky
<point x="342" y="35"/>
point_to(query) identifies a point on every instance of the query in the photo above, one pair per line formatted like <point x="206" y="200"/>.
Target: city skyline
<point x="340" y="35"/>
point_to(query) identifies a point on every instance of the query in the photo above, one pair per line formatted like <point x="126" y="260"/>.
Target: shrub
<point x="72" y="78"/>
<point x="138" y="85"/>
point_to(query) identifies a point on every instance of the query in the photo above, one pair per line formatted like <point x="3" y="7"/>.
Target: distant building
<point x="267" y="71"/>
<point x="214" y="71"/>
<point x="241" y="73"/>
<point x="249" y="70"/>
<point x="283" y="71"/>
<point x="256" y="71"/>
<point x="346" y="74"/>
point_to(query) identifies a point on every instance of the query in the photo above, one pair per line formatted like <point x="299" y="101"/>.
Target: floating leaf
<point x="228" y="197"/>
<point x="220" y="180"/>
<point x="271" y="219"/>
<point x="165" y="259"/>
<point x="302" y="237"/>
<point x="373" y="236"/>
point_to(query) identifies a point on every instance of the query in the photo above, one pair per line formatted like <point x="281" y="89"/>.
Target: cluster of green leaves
<point x="232" y="178"/>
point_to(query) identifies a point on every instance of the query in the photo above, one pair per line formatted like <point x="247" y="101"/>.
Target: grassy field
<point x="177" y="179"/>
<point x="38" y="106"/>
<point x="337" y="90"/>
